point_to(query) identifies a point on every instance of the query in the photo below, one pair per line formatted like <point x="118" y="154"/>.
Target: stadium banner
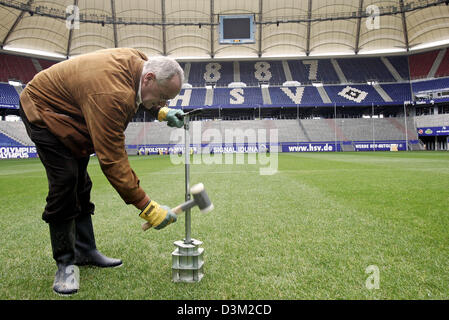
<point x="236" y="148"/>
<point x="398" y="145"/>
<point x="311" y="147"/>
<point x="18" y="152"/>
<point x="433" y="131"/>
<point x="151" y="149"/>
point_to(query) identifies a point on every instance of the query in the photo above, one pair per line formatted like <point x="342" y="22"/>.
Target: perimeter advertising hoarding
<point x="433" y="131"/>
<point x="17" y="152"/>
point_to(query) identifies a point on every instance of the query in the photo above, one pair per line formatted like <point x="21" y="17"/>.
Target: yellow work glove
<point x="158" y="216"/>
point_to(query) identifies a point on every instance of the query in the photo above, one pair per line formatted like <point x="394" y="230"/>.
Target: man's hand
<point x="158" y="216"/>
<point x="174" y="117"/>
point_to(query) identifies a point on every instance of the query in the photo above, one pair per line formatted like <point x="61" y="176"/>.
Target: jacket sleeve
<point x="106" y="117"/>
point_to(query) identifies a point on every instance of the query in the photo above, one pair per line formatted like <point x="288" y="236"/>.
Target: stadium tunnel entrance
<point x="436" y="143"/>
<point x="434" y="138"/>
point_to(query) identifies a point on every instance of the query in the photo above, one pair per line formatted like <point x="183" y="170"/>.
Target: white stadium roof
<point x="188" y="29"/>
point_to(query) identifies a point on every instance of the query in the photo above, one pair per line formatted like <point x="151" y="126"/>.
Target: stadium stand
<point x="8" y="96"/>
<point x="304" y="130"/>
<point x="195" y="77"/>
<point x="252" y="73"/>
<point x="16" y="67"/>
<point x="434" y="121"/>
<point x="237" y="96"/>
<point x="307" y="95"/>
<point x="311" y="96"/>
<point x="275" y="72"/>
<point x="290" y="131"/>
<point x="210" y="82"/>
<point x="400" y="64"/>
<point x="326" y="72"/>
<point x="398" y="92"/>
<point x="46" y="63"/>
<point x="353" y="94"/>
<point x="300" y="71"/>
<point x="373" y="69"/>
<point x="217" y="73"/>
<point x="420" y="64"/>
<point x="225" y="73"/>
<point x="189" y="97"/>
<point x="443" y="70"/>
<point x="6" y="141"/>
<point x="318" y="130"/>
<point x="277" y="96"/>
<point x="375" y="129"/>
<point x="16" y="131"/>
<point x="430" y="84"/>
<point x="309" y="71"/>
<point x="198" y="97"/>
<point x="147" y="133"/>
<point x="346" y="131"/>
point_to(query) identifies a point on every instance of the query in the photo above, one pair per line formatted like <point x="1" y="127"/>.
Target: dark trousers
<point x="69" y="184"/>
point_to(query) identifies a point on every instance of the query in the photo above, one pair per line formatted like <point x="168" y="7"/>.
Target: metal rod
<point x="335" y="129"/>
<point x="188" y="238"/>
<point x="405" y="126"/>
<point x="372" y="121"/>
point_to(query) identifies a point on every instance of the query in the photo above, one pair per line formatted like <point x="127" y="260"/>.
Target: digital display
<point x="236" y="29"/>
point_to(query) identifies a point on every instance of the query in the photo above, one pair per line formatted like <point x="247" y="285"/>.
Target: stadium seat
<point x="430" y="84"/>
<point x="307" y="95"/>
<point x="8" y="96"/>
<point x="443" y="69"/>
<point x="6" y="141"/>
<point x="353" y="94"/>
<point x="46" y="63"/>
<point x="16" y="67"/>
<point x="254" y="72"/>
<point x="398" y="91"/>
<point x="197" y="97"/>
<point x="400" y="63"/>
<point x="361" y="70"/>
<point x="218" y="73"/>
<point x="421" y="63"/>
<point x="237" y="96"/>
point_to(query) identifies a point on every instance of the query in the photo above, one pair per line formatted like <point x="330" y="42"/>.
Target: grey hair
<point x="164" y="68"/>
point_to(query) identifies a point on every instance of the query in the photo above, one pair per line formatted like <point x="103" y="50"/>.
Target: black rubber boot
<point x="62" y="236"/>
<point x="86" y="252"/>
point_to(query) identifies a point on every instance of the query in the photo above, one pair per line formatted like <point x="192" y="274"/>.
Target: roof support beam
<point x="69" y="41"/>
<point x="404" y="25"/>
<point x="164" y="32"/>
<point x="309" y="23"/>
<point x="13" y="27"/>
<point x="212" y="38"/>
<point x="259" y="52"/>
<point x="114" y="25"/>
<point x="359" y="22"/>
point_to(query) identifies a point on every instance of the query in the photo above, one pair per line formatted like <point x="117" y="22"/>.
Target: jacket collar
<point x="138" y="84"/>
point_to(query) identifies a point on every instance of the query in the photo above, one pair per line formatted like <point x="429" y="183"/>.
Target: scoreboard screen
<point x="236" y="29"/>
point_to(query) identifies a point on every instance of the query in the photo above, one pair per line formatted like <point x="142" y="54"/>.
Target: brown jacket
<point x="87" y="103"/>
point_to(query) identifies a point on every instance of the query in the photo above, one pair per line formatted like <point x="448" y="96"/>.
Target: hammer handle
<point x="178" y="210"/>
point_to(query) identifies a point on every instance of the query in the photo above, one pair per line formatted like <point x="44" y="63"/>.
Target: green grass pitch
<point x="313" y="230"/>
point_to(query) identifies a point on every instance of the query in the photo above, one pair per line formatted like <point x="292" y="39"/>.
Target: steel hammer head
<point x="201" y="198"/>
